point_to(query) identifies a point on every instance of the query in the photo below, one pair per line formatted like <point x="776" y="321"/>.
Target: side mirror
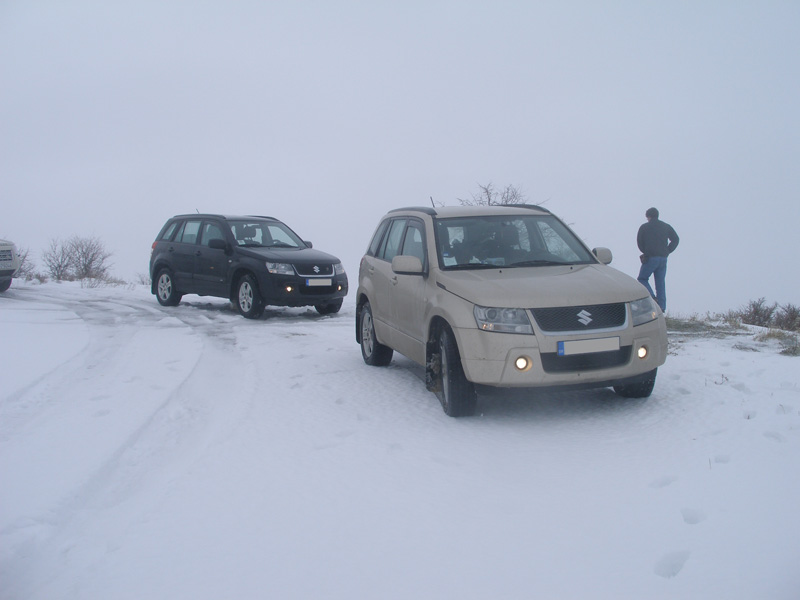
<point x="407" y="265"/>
<point x="603" y="255"/>
<point x="218" y="244"/>
<point x="308" y="244"/>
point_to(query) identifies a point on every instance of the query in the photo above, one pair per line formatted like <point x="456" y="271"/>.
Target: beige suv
<point x="503" y="296"/>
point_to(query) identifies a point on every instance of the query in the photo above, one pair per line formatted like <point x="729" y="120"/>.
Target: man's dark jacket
<point x="657" y="238"/>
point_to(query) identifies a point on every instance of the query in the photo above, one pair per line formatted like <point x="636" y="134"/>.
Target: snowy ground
<point x="188" y="453"/>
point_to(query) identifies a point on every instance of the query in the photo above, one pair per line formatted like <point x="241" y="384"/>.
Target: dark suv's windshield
<point x="264" y="234"/>
<point x="502" y="241"/>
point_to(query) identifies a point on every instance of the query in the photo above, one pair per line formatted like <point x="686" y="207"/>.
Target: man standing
<point x="656" y="240"/>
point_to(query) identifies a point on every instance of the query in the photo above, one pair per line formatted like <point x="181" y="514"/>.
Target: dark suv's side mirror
<point x="218" y="244"/>
<point x="308" y="244"/>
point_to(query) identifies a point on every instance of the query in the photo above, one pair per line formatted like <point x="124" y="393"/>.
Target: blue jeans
<point x="657" y="267"/>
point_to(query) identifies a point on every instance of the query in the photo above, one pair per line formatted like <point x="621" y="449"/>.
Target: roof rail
<point x="532" y="207"/>
<point x="424" y="209"/>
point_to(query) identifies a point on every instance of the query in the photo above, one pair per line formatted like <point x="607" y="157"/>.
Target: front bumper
<point x="490" y="358"/>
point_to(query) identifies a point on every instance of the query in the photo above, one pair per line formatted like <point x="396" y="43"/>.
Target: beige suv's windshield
<point x="502" y="241"/>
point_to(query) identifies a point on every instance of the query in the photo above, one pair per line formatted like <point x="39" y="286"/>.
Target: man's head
<point x="652" y="213"/>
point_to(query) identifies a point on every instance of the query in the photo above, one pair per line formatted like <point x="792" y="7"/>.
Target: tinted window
<point x="377" y="238"/>
<point x="391" y="245"/>
<point x="167" y="235"/>
<point x="211" y="231"/>
<point x="413" y="244"/>
<point x="188" y="233"/>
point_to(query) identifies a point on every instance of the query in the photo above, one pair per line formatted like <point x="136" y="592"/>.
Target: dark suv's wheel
<point x="248" y="298"/>
<point x="456" y="394"/>
<point x="638" y="389"/>
<point x="374" y="353"/>
<point x="328" y="309"/>
<point x="166" y="293"/>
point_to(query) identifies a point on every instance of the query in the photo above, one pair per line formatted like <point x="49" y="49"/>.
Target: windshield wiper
<point x="280" y="245"/>
<point x="537" y="263"/>
<point x="467" y="266"/>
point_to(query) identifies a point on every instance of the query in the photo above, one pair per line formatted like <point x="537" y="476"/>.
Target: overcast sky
<point x="115" y="116"/>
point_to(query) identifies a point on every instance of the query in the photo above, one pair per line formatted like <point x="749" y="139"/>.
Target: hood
<point x="297" y="256"/>
<point x="537" y="287"/>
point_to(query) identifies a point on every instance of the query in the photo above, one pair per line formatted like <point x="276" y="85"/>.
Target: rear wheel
<point x="166" y="292"/>
<point x="638" y="389"/>
<point x="248" y="298"/>
<point x="457" y="394"/>
<point x="374" y="353"/>
<point x="4" y="285"/>
<point x="330" y="308"/>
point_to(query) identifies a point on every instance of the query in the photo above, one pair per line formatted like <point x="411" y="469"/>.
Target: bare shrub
<point x="788" y="318"/>
<point x="26" y="266"/>
<point x="57" y="260"/>
<point x="758" y="312"/>
<point x="89" y="256"/>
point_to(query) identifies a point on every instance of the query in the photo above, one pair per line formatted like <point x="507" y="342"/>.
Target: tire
<point x="373" y="352"/>
<point x="330" y="308"/>
<point x="457" y="395"/>
<point x="166" y="292"/>
<point x="638" y="389"/>
<point x="4" y="285"/>
<point x="248" y="299"/>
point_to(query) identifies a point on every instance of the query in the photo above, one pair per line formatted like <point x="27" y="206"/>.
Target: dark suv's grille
<point x="580" y="318"/>
<point x="553" y="363"/>
<point x="314" y="270"/>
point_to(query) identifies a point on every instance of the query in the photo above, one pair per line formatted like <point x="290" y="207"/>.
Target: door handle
<point x="394" y="280"/>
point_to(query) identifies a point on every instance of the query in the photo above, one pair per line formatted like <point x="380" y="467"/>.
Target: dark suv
<point x="253" y="261"/>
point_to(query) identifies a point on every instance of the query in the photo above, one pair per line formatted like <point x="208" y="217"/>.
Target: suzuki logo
<point x="585" y="317"/>
<point x="316" y="269"/>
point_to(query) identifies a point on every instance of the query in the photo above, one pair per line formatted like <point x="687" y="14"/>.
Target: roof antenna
<point x="432" y="204"/>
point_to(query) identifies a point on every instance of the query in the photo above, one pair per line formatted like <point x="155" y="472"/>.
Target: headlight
<point x="503" y="320"/>
<point x="644" y="311"/>
<point x="338" y="268"/>
<point x="280" y="268"/>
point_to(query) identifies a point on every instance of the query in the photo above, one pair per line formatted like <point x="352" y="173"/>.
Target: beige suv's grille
<point x="579" y="318"/>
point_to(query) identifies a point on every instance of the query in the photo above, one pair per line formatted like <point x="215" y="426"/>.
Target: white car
<point x="10" y="262"/>
<point x="503" y="296"/>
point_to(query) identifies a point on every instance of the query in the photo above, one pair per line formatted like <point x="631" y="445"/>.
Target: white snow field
<point x="188" y="453"/>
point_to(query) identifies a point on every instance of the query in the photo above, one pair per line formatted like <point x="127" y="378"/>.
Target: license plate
<point x="318" y="282"/>
<point x="588" y="346"/>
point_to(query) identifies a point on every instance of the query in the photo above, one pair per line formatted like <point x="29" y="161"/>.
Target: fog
<point x="327" y="115"/>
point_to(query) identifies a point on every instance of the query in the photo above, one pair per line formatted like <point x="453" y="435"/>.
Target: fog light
<point x="289" y="288"/>
<point x="523" y="363"/>
<point x="642" y="352"/>
<point x="340" y="288"/>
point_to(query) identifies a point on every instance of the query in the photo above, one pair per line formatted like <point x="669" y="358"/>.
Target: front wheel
<point x="329" y="308"/>
<point x="457" y="394"/>
<point x="4" y="285"/>
<point x="248" y="298"/>
<point x="373" y="352"/>
<point x="166" y="292"/>
<point x="638" y="389"/>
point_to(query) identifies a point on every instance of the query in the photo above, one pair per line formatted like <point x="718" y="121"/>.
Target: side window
<point x="211" y="231"/>
<point x="188" y="234"/>
<point x="377" y="238"/>
<point x="413" y="244"/>
<point x="391" y="244"/>
<point x="555" y="244"/>
<point x="169" y="231"/>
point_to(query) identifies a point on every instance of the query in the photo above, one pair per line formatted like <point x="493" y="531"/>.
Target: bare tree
<point x="488" y="195"/>
<point x="26" y="266"/>
<point x="58" y="260"/>
<point x="89" y="256"/>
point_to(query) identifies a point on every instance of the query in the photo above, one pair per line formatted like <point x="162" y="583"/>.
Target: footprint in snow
<point x="693" y="516"/>
<point x="750" y="414"/>
<point x="671" y="564"/>
<point x="663" y="482"/>
<point x="774" y="435"/>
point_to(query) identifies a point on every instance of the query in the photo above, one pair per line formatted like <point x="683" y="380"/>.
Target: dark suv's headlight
<point x="502" y="320"/>
<point x="338" y="269"/>
<point x="280" y="268"/>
